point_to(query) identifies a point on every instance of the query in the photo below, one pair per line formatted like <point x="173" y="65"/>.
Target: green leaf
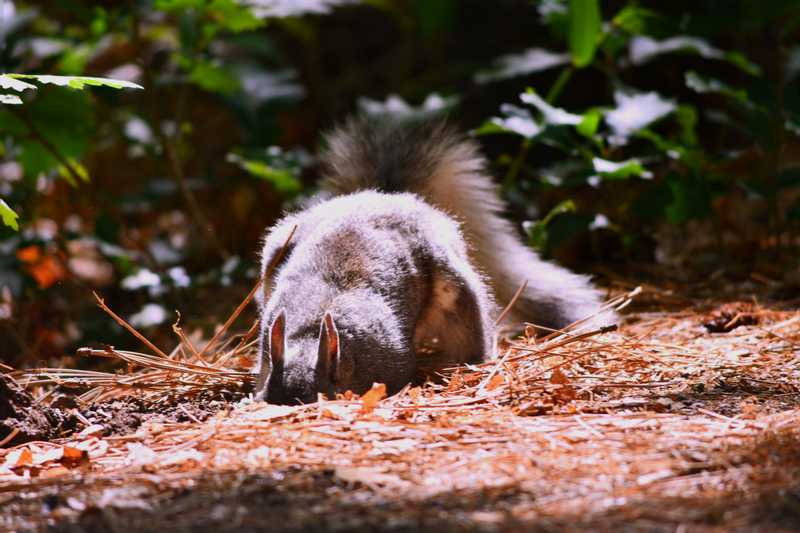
<point x="10" y="99"/>
<point x="283" y="180"/>
<point x="78" y="82"/>
<point x="74" y="59"/>
<point x="63" y="118"/>
<point x="591" y="121"/>
<point x="701" y="84"/>
<point x="214" y="78"/>
<point x="177" y="5"/>
<point x="537" y="232"/>
<point x="8" y="82"/>
<point x="8" y="215"/>
<point x="585" y="26"/>
<point x="514" y="120"/>
<point x="738" y="59"/>
<point x="550" y="114"/>
<point x="234" y="16"/>
<point x="634" y="19"/>
<point x="489" y="128"/>
<point x="671" y="149"/>
<point x="620" y="170"/>
<point x="99" y="24"/>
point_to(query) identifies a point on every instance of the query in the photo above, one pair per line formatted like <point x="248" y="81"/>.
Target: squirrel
<point x="403" y="248"/>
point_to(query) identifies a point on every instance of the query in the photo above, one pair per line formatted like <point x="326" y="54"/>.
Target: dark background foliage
<point x="157" y="198"/>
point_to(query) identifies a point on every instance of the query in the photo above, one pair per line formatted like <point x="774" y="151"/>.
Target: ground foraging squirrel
<point x="403" y="248"/>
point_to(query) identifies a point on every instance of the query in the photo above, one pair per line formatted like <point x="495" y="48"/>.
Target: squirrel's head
<point x="302" y="367"/>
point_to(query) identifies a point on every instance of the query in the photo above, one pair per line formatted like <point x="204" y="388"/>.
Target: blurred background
<point x="655" y="141"/>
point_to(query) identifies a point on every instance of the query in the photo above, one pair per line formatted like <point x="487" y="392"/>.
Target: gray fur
<point x="405" y="248"/>
<point x="387" y="267"/>
<point x="448" y="171"/>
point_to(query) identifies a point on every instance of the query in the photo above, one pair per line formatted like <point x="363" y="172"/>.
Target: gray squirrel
<point x="404" y="248"/>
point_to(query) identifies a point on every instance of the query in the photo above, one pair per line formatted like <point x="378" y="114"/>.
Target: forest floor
<point x="686" y="418"/>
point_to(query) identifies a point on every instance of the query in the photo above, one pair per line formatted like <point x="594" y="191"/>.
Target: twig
<point x="45" y="142"/>
<point x="184" y="339"/>
<point x="187" y="413"/>
<point x="249" y="296"/>
<point x="9" y="437"/>
<point x="511" y="303"/>
<point x="127" y="326"/>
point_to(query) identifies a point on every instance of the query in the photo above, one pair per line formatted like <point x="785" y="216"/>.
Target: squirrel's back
<point x="390" y="274"/>
<point x="447" y="169"/>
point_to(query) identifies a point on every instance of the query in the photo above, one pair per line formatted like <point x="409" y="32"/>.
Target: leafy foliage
<point x="15" y="83"/>
<point x="607" y="124"/>
<point x="584" y="30"/>
<point x="8" y="215"/>
<point x="39" y="155"/>
<point x="649" y="133"/>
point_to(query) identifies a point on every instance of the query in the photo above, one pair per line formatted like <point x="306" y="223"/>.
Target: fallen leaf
<point x="372" y="397"/>
<point x="19" y="458"/>
<point x="564" y="394"/>
<point x="29" y="254"/>
<point x="558" y="377"/>
<point x="456" y="382"/>
<point x="46" y="272"/>
<point x="496" y="381"/>
<point x="74" y="456"/>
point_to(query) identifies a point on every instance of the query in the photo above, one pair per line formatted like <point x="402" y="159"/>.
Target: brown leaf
<point x="46" y="272"/>
<point x="456" y="382"/>
<point x="74" y="456"/>
<point x="29" y="254"/>
<point x="558" y="377"/>
<point x="372" y="397"/>
<point x="496" y="381"/>
<point x="564" y="394"/>
<point x="19" y="458"/>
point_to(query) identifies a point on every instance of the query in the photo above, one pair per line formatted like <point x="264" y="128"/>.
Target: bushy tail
<point x="447" y="170"/>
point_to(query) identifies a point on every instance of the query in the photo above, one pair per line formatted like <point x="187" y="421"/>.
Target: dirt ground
<point x="682" y="420"/>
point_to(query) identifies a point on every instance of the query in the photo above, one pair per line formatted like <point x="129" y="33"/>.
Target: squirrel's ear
<point x="328" y="350"/>
<point x="277" y="340"/>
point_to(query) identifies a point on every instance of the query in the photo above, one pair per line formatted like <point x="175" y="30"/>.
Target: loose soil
<point x="22" y="419"/>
